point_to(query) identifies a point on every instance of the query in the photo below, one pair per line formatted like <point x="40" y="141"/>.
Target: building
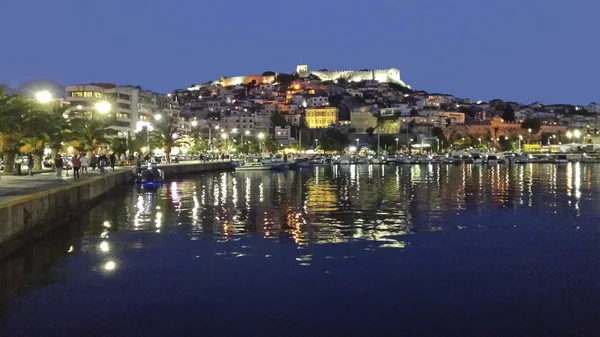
<point x="391" y="75"/>
<point x="314" y="101"/>
<point x="361" y="118"/>
<point x="131" y="108"/>
<point x="123" y="114"/>
<point x="321" y="117"/>
<point x="283" y="135"/>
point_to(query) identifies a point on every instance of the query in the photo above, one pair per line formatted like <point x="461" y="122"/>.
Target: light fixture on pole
<point x="158" y="117"/>
<point x="43" y="96"/>
<point x="103" y="107"/>
<point x="260" y="136"/>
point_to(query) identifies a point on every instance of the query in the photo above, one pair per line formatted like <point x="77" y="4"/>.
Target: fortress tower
<point x="302" y="70"/>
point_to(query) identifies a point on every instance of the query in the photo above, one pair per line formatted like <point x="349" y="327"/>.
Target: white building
<point x="315" y="101"/>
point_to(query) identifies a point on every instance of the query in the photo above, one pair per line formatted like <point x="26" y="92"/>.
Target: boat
<point x="150" y="177"/>
<point x="253" y="165"/>
<point x="361" y="160"/>
<point x="407" y="160"/>
<point x="276" y="164"/>
<point x="318" y="160"/>
<point x="301" y="162"/>
<point x="391" y="159"/>
<point x="523" y="159"/>
<point x="477" y="158"/>
<point x="377" y="160"/>
<point x="345" y="160"/>
<point x="457" y="159"/>
<point x="561" y="159"/>
<point x="422" y="159"/>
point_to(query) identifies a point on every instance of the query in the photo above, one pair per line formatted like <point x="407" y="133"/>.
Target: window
<point x="88" y="94"/>
<point x="125" y="97"/>
<point x="124" y="106"/>
<point x="76" y="94"/>
<point x="98" y="95"/>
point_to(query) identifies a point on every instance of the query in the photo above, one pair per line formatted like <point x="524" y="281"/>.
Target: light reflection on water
<point x="357" y="217"/>
<point x="356" y="202"/>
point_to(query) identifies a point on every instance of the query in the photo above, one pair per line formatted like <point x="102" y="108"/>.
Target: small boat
<point x="377" y="160"/>
<point x="407" y="160"/>
<point x="301" y="162"/>
<point x="253" y="165"/>
<point x="523" y="159"/>
<point x="345" y="160"/>
<point x="422" y="159"/>
<point x="477" y="159"/>
<point x="150" y="177"/>
<point x="391" y="159"/>
<point x="561" y="159"/>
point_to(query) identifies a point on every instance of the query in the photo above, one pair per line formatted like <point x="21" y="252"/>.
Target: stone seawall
<point x="30" y="216"/>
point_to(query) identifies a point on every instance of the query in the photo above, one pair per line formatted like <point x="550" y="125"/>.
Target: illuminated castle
<point x="391" y="75"/>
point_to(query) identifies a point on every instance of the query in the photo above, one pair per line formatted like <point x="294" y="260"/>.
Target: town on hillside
<point x="329" y="110"/>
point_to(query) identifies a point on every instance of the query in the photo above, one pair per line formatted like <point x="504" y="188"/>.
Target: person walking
<point x="93" y="162"/>
<point x="76" y="163"/>
<point x="113" y="160"/>
<point x="58" y="163"/>
<point x="102" y="159"/>
<point x="84" y="165"/>
<point x="30" y="164"/>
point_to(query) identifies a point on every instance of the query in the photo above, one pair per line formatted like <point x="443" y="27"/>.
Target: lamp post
<point x="103" y="107"/>
<point x="225" y="136"/>
<point x="577" y="134"/>
<point x="397" y="140"/>
<point x="479" y="141"/>
<point x="529" y="139"/>
<point x="43" y="96"/>
<point x="316" y="144"/>
<point x="569" y="135"/>
<point x="260" y="136"/>
<point x="158" y="117"/>
<point x="357" y="145"/>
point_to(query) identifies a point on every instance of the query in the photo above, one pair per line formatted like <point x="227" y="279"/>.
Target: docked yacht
<point x="253" y="165"/>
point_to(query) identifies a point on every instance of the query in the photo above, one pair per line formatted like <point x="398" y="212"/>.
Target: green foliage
<point x="334" y="140"/>
<point x="286" y="79"/>
<point x="162" y="136"/>
<point x="118" y="146"/>
<point x="509" y="113"/>
<point x="532" y="123"/>
<point x="507" y="144"/>
<point x="90" y="133"/>
<point x="271" y="145"/>
<point x="277" y="119"/>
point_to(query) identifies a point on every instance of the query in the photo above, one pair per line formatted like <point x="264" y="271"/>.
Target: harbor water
<point x="355" y="250"/>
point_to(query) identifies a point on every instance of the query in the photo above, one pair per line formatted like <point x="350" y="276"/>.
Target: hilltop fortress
<point x="391" y="75"/>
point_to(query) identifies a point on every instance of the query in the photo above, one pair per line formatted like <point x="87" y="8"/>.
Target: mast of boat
<point x="378" y="140"/>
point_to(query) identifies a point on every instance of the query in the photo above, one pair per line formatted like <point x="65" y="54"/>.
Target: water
<point x="336" y="251"/>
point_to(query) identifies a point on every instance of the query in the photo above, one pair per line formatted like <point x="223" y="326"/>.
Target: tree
<point x="509" y="113"/>
<point x="532" y="123"/>
<point x="58" y="128"/>
<point x="370" y="131"/>
<point x="118" y="146"/>
<point x="414" y="113"/>
<point x="90" y="133"/>
<point x="15" y="111"/>
<point x="334" y="140"/>
<point x="277" y="119"/>
<point x="286" y="79"/>
<point x="163" y="136"/>
<point x="268" y="73"/>
<point x="271" y="145"/>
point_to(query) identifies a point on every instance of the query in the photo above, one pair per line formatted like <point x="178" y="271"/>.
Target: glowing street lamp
<point x="569" y="135"/>
<point x="247" y="132"/>
<point x="194" y="123"/>
<point x="43" y="96"/>
<point x="260" y="136"/>
<point x="397" y="140"/>
<point x="158" y="117"/>
<point x="103" y="107"/>
<point x="577" y="134"/>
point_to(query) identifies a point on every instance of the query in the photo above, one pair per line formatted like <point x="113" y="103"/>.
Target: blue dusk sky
<point x="521" y="50"/>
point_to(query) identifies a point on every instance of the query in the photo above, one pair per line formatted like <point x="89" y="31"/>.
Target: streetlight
<point x="357" y="144"/>
<point x="397" y="144"/>
<point x="520" y="142"/>
<point x="316" y="143"/>
<point x="577" y="134"/>
<point x="194" y="123"/>
<point x="158" y="117"/>
<point x="260" y="136"/>
<point x="529" y="139"/>
<point x="103" y="107"/>
<point x="43" y="96"/>
<point x="569" y="135"/>
<point x="225" y="136"/>
<point x="479" y="141"/>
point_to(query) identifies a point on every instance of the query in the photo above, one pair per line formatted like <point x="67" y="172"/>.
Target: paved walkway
<point x="14" y="186"/>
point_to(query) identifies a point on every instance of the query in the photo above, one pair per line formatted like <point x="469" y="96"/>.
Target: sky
<point x="516" y="50"/>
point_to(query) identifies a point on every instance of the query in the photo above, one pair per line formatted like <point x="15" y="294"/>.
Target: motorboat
<point x="377" y="160"/>
<point x="277" y="164"/>
<point x="301" y="162"/>
<point x="318" y="160"/>
<point x="457" y="159"/>
<point x="150" y="177"/>
<point x="253" y="165"/>
<point x="361" y="160"/>
<point x="391" y="159"/>
<point x="523" y="159"/>
<point x="422" y="159"/>
<point x="345" y="160"/>
<point x="407" y="160"/>
<point x="477" y="159"/>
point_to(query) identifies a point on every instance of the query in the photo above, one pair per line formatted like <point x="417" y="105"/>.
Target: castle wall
<point x="237" y="80"/>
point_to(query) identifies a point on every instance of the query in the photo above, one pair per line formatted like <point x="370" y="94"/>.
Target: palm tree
<point x="15" y="111"/>
<point x="90" y="133"/>
<point x="162" y="136"/>
<point x="58" y="128"/>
